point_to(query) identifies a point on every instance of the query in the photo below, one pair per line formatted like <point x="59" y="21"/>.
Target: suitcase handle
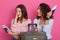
<point x="32" y="27"/>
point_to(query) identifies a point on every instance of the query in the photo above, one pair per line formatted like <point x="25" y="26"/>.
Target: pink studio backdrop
<point x="7" y="12"/>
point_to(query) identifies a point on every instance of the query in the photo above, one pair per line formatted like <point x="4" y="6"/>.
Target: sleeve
<point x="13" y="26"/>
<point x="48" y="28"/>
<point x="29" y="21"/>
<point x="12" y="23"/>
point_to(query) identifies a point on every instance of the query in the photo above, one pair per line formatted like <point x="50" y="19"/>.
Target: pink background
<point x="7" y="12"/>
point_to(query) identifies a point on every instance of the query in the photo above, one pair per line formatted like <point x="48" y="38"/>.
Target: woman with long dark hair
<point x="20" y="22"/>
<point x="44" y="20"/>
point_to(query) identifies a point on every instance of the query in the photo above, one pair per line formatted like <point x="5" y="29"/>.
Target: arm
<point x="35" y="22"/>
<point x="13" y="33"/>
<point x="13" y="22"/>
<point x="48" y="26"/>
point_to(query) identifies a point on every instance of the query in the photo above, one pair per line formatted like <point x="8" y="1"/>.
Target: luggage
<point x="33" y="35"/>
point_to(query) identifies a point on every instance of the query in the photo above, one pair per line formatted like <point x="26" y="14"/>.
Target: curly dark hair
<point x="44" y="9"/>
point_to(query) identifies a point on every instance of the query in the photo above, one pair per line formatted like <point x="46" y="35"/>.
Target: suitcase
<point x="30" y="35"/>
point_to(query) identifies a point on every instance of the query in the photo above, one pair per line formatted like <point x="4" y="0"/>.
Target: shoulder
<point x="29" y="20"/>
<point x="51" y="20"/>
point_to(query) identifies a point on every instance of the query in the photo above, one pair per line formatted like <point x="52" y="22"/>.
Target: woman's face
<point x="39" y="12"/>
<point x="49" y="14"/>
<point x="18" y="12"/>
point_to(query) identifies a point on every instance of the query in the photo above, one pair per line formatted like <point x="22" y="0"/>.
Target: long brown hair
<point x="24" y="12"/>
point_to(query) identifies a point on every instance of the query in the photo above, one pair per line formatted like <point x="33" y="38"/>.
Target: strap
<point x="32" y="27"/>
<point x="42" y="28"/>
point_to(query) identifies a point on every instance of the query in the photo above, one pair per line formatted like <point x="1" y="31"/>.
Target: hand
<point x="13" y="33"/>
<point x="15" y="20"/>
<point x="49" y="14"/>
<point x="36" y="29"/>
<point x="9" y="31"/>
<point x="16" y="16"/>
